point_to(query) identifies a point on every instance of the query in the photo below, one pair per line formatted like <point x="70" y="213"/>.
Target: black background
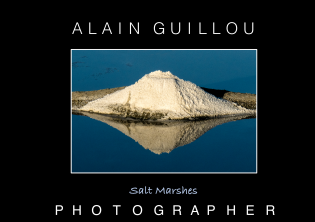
<point x="261" y="189"/>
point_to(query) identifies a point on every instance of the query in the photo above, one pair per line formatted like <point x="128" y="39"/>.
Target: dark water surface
<point x="104" y="144"/>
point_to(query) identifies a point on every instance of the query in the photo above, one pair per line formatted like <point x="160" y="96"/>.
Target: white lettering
<point x="173" y="30"/>
<point x="100" y="210"/>
<point x="116" y="208"/>
<point x="58" y="208"/>
<point x="213" y="208"/>
<point x="160" y="210"/>
<point x="74" y="210"/>
<point x="227" y="28"/>
<point x="159" y="28"/>
<point x="273" y="209"/>
<point x="76" y="24"/>
<point x="137" y="30"/>
<point x="106" y="29"/>
<point x="90" y="29"/>
<point x="214" y="29"/>
<point x="200" y="29"/>
<point x="245" y="28"/>
<point x="133" y="210"/>
<point x="194" y="210"/>
<point x="248" y="209"/>
<point x="179" y="209"/>
<point x="233" y="210"/>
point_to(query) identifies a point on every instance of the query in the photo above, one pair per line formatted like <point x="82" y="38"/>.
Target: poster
<point x="232" y="184"/>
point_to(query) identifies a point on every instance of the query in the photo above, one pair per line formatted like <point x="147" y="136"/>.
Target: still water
<point x="104" y="144"/>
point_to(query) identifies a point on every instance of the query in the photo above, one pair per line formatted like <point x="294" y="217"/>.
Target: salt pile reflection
<point x="162" y="137"/>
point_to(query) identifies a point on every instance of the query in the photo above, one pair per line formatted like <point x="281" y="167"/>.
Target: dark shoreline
<point x="159" y="122"/>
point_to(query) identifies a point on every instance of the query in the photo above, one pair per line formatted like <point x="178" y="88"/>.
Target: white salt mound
<point x="161" y="95"/>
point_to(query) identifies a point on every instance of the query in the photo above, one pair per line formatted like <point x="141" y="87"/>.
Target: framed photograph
<point x="167" y="111"/>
